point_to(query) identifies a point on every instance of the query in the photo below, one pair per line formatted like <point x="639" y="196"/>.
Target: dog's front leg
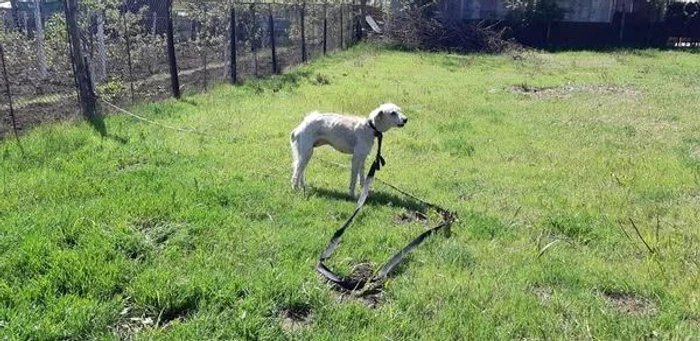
<point x="357" y="167"/>
<point x="361" y="175"/>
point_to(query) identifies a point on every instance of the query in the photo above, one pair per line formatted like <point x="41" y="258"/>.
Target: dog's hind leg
<point x="302" y="155"/>
<point x="301" y="168"/>
<point x="294" y="145"/>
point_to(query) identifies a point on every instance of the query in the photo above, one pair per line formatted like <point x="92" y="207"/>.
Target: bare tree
<point x="41" y="55"/>
<point x="101" y="45"/>
<point x="15" y="13"/>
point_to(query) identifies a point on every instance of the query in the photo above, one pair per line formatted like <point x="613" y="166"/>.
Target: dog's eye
<point x="393" y="113"/>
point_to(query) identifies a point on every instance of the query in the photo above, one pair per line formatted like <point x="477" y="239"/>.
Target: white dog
<point x="347" y="134"/>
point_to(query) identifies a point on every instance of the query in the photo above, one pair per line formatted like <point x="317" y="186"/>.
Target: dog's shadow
<point x="375" y="198"/>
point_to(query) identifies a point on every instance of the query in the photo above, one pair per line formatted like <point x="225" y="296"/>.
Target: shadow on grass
<point x="97" y="122"/>
<point x="375" y="198"/>
<point x="188" y="101"/>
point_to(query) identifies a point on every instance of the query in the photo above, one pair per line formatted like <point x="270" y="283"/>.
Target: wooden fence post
<point x="232" y="55"/>
<point x="174" y="78"/>
<point x="86" y="93"/>
<point x="303" y="33"/>
<point x="275" y="67"/>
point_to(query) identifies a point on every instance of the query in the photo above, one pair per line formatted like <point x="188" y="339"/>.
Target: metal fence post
<point x="303" y="32"/>
<point x="232" y="55"/>
<point x="275" y="67"/>
<point x="325" y="27"/>
<point x="174" y="78"/>
<point x="342" y="28"/>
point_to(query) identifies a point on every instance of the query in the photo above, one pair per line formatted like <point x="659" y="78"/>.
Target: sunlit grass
<point x="183" y="236"/>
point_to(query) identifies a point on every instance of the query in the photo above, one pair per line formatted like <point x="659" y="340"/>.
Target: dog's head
<point x="387" y="116"/>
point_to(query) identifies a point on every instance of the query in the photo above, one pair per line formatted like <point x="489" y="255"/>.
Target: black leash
<point x="375" y="281"/>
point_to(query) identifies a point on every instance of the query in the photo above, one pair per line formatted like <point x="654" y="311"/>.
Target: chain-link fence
<point x="125" y="45"/>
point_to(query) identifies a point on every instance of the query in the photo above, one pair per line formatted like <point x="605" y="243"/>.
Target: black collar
<point x="377" y="133"/>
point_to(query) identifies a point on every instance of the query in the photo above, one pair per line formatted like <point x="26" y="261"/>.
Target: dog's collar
<point x="377" y="133"/>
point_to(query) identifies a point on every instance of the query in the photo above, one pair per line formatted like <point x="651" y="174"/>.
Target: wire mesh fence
<point x="125" y="44"/>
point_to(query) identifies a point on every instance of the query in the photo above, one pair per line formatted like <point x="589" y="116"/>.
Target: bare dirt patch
<point x="128" y="328"/>
<point x="695" y="152"/>
<point x="295" y="317"/>
<point x="157" y="231"/>
<point x="410" y="217"/>
<point x="544" y="293"/>
<point x="630" y="303"/>
<point x="370" y="299"/>
<point x="694" y="320"/>
<point x="569" y="90"/>
<point x="361" y="272"/>
<point x="131" y="323"/>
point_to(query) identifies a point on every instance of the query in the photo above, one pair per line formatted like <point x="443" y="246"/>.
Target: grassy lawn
<point x="181" y="236"/>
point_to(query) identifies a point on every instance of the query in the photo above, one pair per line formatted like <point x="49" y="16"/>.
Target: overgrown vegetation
<point x="576" y="177"/>
<point x="422" y="24"/>
<point x="418" y="25"/>
<point x="524" y="13"/>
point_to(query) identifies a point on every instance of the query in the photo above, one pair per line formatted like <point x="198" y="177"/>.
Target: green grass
<point x="179" y="236"/>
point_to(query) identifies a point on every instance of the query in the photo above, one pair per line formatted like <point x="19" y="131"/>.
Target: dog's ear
<point x="378" y="114"/>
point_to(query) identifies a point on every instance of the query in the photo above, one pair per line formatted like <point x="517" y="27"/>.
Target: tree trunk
<point x="41" y="55"/>
<point x="87" y="96"/>
<point x="101" y="46"/>
<point x="155" y="24"/>
<point x="25" y="18"/>
<point x="15" y="14"/>
<point x="227" y="49"/>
